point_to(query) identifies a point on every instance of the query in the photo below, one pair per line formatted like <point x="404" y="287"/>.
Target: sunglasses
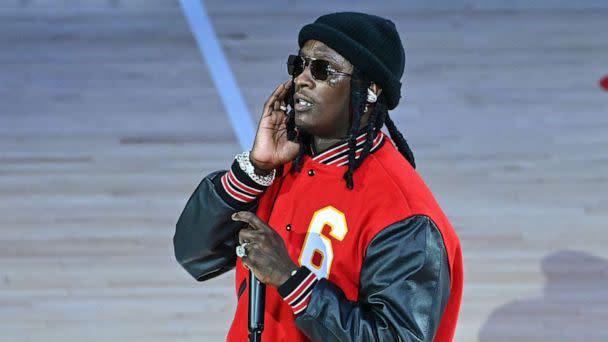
<point x="319" y="69"/>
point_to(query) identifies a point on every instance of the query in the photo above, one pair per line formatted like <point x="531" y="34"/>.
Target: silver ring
<point x="241" y="252"/>
<point x="283" y="108"/>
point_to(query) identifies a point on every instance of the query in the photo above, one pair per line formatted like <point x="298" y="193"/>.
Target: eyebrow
<point x="323" y="54"/>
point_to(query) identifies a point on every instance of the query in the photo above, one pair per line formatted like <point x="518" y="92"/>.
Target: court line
<point x="223" y="79"/>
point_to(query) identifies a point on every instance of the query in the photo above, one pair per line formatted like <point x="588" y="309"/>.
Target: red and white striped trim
<point x="342" y="148"/>
<point x="344" y="159"/>
<point x="299" y="298"/>
<point x="242" y="186"/>
<point x="338" y="155"/>
<point x="237" y="189"/>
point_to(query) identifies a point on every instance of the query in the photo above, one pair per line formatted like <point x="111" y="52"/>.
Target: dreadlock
<point x="378" y="117"/>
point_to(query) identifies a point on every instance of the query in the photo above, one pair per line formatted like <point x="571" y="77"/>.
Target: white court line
<point x="220" y="71"/>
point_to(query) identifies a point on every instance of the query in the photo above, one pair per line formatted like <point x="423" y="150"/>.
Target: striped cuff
<point x="237" y="188"/>
<point x="297" y="290"/>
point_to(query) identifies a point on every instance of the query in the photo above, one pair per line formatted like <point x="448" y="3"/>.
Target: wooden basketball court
<point x="109" y="119"/>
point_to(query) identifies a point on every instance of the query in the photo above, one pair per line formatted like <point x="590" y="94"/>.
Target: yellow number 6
<point x="317" y="252"/>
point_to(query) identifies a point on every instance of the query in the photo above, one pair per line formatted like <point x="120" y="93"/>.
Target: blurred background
<point x="110" y="116"/>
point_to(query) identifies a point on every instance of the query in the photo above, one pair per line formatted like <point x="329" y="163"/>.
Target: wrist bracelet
<point x="249" y="169"/>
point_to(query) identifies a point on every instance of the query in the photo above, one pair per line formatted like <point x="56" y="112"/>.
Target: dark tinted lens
<point x="318" y="69"/>
<point x="295" y="65"/>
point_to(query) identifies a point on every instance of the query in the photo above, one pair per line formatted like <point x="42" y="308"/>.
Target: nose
<point x="304" y="79"/>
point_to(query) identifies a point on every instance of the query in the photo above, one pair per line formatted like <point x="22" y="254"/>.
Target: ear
<point x="375" y="88"/>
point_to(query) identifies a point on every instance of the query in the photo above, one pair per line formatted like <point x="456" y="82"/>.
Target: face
<point x="327" y="116"/>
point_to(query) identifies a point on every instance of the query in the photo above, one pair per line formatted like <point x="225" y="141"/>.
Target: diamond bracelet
<point x="249" y="169"/>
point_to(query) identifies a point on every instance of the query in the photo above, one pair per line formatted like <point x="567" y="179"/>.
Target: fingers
<point x="246" y="236"/>
<point x="286" y="85"/>
<point x="250" y="218"/>
<point x="255" y="256"/>
<point x="284" y="92"/>
<point x="274" y="95"/>
<point x="280" y="104"/>
<point x="277" y="96"/>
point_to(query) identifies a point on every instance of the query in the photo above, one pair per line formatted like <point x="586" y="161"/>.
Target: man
<point x="328" y="210"/>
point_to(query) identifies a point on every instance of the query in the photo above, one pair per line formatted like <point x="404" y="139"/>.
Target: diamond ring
<point x="241" y="252"/>
<point x="283" y="108"/>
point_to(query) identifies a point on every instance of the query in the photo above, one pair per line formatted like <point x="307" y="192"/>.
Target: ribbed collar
<point x="338" y="154"/>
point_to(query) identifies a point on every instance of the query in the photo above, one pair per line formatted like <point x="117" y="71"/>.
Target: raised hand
<point x="271" y="148"/>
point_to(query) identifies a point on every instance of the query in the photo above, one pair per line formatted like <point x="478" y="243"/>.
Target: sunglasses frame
<point x="307" y="62"/>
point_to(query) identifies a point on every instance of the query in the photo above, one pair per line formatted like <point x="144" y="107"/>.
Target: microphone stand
<point x="257" y="300"/>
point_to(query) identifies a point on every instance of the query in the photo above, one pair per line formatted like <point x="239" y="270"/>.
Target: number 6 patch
<point x="317" y="252"/>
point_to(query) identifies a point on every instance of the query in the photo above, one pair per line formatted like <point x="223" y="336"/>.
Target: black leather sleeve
<point x="205" y="235"/>
<point x="404" y="288"/>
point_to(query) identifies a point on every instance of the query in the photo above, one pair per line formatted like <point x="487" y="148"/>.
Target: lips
<point x="302" y="103"/>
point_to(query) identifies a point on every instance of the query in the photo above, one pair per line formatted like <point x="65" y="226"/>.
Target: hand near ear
<point x="271" y="147"/>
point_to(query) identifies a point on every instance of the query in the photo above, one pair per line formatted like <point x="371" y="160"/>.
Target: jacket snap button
<point x="288" y="227"/>
<point x="311" y="172"/>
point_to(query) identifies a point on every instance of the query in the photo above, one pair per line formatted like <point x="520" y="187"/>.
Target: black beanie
<point x="369" y="42"/>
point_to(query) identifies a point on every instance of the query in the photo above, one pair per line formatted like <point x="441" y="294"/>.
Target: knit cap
<point x="371" y="43"/>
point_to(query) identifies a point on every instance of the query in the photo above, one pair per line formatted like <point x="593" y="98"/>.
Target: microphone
<point x="257" y="300"/>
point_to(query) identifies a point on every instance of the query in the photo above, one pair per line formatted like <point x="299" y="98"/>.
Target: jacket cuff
<point x="237" y="188"/>
<point x="297" y="290"/>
